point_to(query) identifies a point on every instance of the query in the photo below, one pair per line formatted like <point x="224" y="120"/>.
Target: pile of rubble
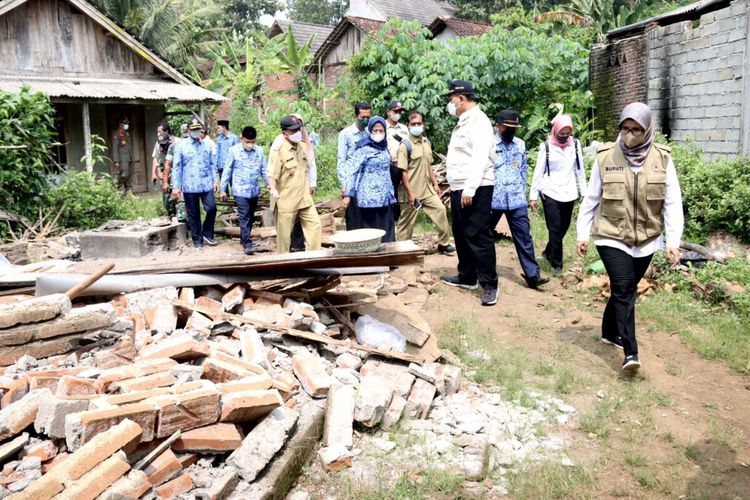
<point x="206" y="392"/>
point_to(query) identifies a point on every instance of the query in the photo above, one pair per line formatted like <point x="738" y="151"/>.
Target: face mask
<point x="563" y="139"/>
<point x="363" y="122"/>
<point x="396" y="116"/>
<point x="416" y="131"/>
<point x="508" y="135"/>
<point x="248" y="147"/>
<point x="195" y="134"/>
<point x="632" y="141"/>
<point x="379" y="137"/>
<point x="125" y="126"/>
<point x="451" y="108"/>
<point x="295" y="137"/>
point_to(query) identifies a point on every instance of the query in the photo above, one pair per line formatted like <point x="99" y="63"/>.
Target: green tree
<point x="25" y="142"/>
<point x="243" y="16"/>
<point x="327" y="12"/>
<point x="480" y="10"/>
<point x="606" y="15"/>
<point x="295" y="60"/>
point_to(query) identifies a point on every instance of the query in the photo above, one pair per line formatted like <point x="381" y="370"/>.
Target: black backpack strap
<point x="578" y="158"/>
<point x="546" y="154"/>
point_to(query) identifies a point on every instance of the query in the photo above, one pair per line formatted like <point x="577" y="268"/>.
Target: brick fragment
<point x="187" y="410"/>
<point x="18" y="415"/>
<point x="13" y="446"/>
<point x="82" y="427"/>
<point x="74" y="386"/>
<point x="310" y="371"/>
<point x="198" y="322"/>
<point x="214" y="306"/>
<point x="175" y="487"/>
<point x="45" y="450"/>
<point x="247" y="406"/>
<point x="233" y="297"/>
<point x="187" y="459"/>
<point x="420" y="398"/>
<point x="15" y="390"/>
<point x="216" y="438"/>
<point x="137" y="369"/>
<point x="394" y="412"/>
<point x="50" y="418"/>
<point x="162" y="318"/>
<point x="59" y="459"/>
<point x="177" y="347"/>
<point x="122" y="353"/>
<point x="219" y="370"/>
<point x="339" y="422"/>
<point x="253" y="382"/>
<point x="153" y="381"/>
<point x="165" y="467"/>
<point x="132" y="485"/>
<point x="95" y="481"/>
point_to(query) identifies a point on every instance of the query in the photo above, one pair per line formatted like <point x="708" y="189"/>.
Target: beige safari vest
<point x="631" y="206"/>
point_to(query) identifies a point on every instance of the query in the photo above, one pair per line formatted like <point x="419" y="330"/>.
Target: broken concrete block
<point x="311" y="373"/>
<point x="252" y="347"/>
<point x="349" y="360"/>
<point x="13" y="446"/>
<point x="82" y="427"/>
<point x="420" y="398"/>
<point x="77" y="320"/>
<point x="73" y="386"/>
<point x="247" y="406"/>
<point x="335" y="458"/>
<point x="98" y="479"/>
<point x="394" y="412"/>
<point x="44" y="450"/>
<point x="451" y="376"/>
<point x="34" y="310"/>
<point x="476" y="458"/>
<point x="165" y="467"/>
<point x="373" y="397"/>
<point x="174" y="488"/>
<point x="427" y="372"/>
<point x="197" y="322"/>
<point x="397" y="376"/>
<point x="50" y="418"/>
<point x="221" y="487"/>
<point x="262" y="443"/>
<point x="339" y="421"/>
<point x="133" y="485"/>
<point x="18" y="415"/>
<point x="187" y="410"/>
<point x="161" y="318"/>
<point x="146" y="299"/>
<point x="215" y="438"/>
<point x="233" y="297"/>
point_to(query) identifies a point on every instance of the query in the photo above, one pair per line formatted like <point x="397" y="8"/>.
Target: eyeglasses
<point x="637" y="132"/>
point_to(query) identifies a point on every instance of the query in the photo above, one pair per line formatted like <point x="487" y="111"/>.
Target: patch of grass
<point x="714" y="334"/>
<point x="636" y="460"/>
<point x="544" y="368"/>
<point x="668" y="437"/>
<point x="417" y="485"/>
<point x="147" y="206"/>
<point x="690" y="450"/>
<point x="619" y="491"/>
<point x="672" y="368"/>
<point x="565" y="379"/>
<point x="599" y="419"/>
<point x="720" y="434"/>
<point x="552" y="480"/>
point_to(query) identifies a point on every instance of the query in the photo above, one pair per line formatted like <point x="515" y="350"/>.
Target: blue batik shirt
<point x="194" y="167"/>
<point x="510" y="175"/>
<point x="223" y="143"/>
<point x="244" y="169"/>
<point x="370" y="181"/>
<point x="348" y="139"/>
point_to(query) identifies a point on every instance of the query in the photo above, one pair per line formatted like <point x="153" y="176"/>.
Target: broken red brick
<point x="233" y="297"/>
<point x="74" y="386"/>
<point x="45" y="450"/>
<point x="14" y="391"/>
<point x="215" y="438"/>
<point x="311" y="373"/>
<point x="214" y="306"/>
<point x="162" y="318"/>
<point x="247" y="406"/>
<point x="175" y="487"/>
<point x="187" y="410"/>
<point x="161" y="379"/>
<point x="163" y="468"/>
<point x="83" y="426"/>
<point x="199" y="323"/>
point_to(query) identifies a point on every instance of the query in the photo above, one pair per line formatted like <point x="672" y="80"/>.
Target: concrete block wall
<point x="617" y="77"/>
<point x="695" y="79"/>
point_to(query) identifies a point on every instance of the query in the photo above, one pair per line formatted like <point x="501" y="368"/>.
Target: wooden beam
<point x="313" y="337"/>
<point x="87" y="137"/>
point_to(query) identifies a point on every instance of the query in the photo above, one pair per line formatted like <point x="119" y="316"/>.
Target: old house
<point x="691" y="66"/>
<point x="94" y="72"/>
<point x="367" y="16"/>
<point x="303" y="32"/>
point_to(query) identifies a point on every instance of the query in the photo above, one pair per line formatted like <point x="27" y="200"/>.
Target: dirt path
<point x="681" y="428"/>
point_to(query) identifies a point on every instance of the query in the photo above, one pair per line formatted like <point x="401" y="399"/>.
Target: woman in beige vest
<point x="633" y="195"/>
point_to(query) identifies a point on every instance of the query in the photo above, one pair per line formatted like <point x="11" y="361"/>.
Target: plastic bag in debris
<point x="374" y="333"/>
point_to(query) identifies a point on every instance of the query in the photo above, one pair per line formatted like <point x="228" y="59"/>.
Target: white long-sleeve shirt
<point x="560" y="184"/>
<point x="470" y="162"/>
<point x="674" y="219"/>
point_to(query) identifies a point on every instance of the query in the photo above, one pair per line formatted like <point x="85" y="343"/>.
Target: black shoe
<point x="249" y="250"/>
<point x="210" y="241"/>
<point x="489" y="296"/>
<point x="197" y="246"/>
<point x="446" y="249"/>
<point x="631" y="364"/>
<point x="617" y="342"/>
<point x="535" y="281"/>
<point x="455" y="281"/>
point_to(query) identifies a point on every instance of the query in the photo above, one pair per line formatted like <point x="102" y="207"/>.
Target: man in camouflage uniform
<point x="122" y="154"/>
<point x="174" y="208"/>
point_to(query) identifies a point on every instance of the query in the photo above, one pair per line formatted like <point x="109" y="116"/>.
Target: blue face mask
<point x="416" y="131"/>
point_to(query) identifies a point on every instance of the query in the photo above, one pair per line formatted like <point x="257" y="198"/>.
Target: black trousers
<point x="472" y="233"/>
<point x="298" y="237"/>
<point x="624" y="274"/>
<point x="520" y="229"/>
<point x="379" y="218"/>
<point x="353" y="216"/>
<point x="557" y="215"/>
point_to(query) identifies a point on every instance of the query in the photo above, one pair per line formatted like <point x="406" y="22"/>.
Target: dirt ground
<point x="681" y="429"/>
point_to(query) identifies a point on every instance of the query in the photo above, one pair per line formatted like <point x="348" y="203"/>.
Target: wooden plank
<point x="314" y="337"/>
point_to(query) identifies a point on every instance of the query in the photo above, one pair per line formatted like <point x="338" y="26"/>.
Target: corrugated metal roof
<point x="424" y="11"/>
<point x="303" y="32"/>
<point x="690" y="11"/>
<point x="96" y="88"/>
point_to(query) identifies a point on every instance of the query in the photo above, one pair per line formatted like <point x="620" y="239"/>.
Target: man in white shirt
<point x="470" y="170"/>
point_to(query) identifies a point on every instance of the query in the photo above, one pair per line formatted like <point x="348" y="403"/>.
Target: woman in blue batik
<point x="370" y="181"/>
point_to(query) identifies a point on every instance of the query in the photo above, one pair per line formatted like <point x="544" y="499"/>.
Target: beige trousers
<point x="434" y="209"/>
<point x="310" y="227"/>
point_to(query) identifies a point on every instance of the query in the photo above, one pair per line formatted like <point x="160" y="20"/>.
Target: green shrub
<point x="26" y="135"/>
<point x="88" y="200"/>
<point x="326" y="159"/>
<point x="716" y="195"/>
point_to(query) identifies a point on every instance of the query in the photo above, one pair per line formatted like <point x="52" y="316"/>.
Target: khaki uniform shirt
<point x="287" y="163"/>
<point x="122" y="150"/>
<point x="390" y="130"/>
<point x="418" y="168"/>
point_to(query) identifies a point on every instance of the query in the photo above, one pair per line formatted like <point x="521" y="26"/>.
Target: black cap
<point x="195" y="124"/>
<point x="395" y="105"/>
<point x="162" y="137"/>
<point x="223" y="123"/>
<point x="291" y="122"/>
<point x="509" y="118"/>
<point x="460" y="87"/>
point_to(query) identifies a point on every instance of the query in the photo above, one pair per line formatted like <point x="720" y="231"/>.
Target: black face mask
<point x="508" y="134"/>
<point x="164" y="147"/>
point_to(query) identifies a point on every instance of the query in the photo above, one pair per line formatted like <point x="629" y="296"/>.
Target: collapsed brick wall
<point x="617" y="76"/>
<point x="690" y="73"/>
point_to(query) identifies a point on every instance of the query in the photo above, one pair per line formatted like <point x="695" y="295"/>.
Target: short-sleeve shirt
<point x="418" y="168"/>
<point x="287" y="163"/>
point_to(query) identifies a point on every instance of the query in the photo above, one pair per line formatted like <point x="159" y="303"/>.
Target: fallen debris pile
<point x="205" y="391"/>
